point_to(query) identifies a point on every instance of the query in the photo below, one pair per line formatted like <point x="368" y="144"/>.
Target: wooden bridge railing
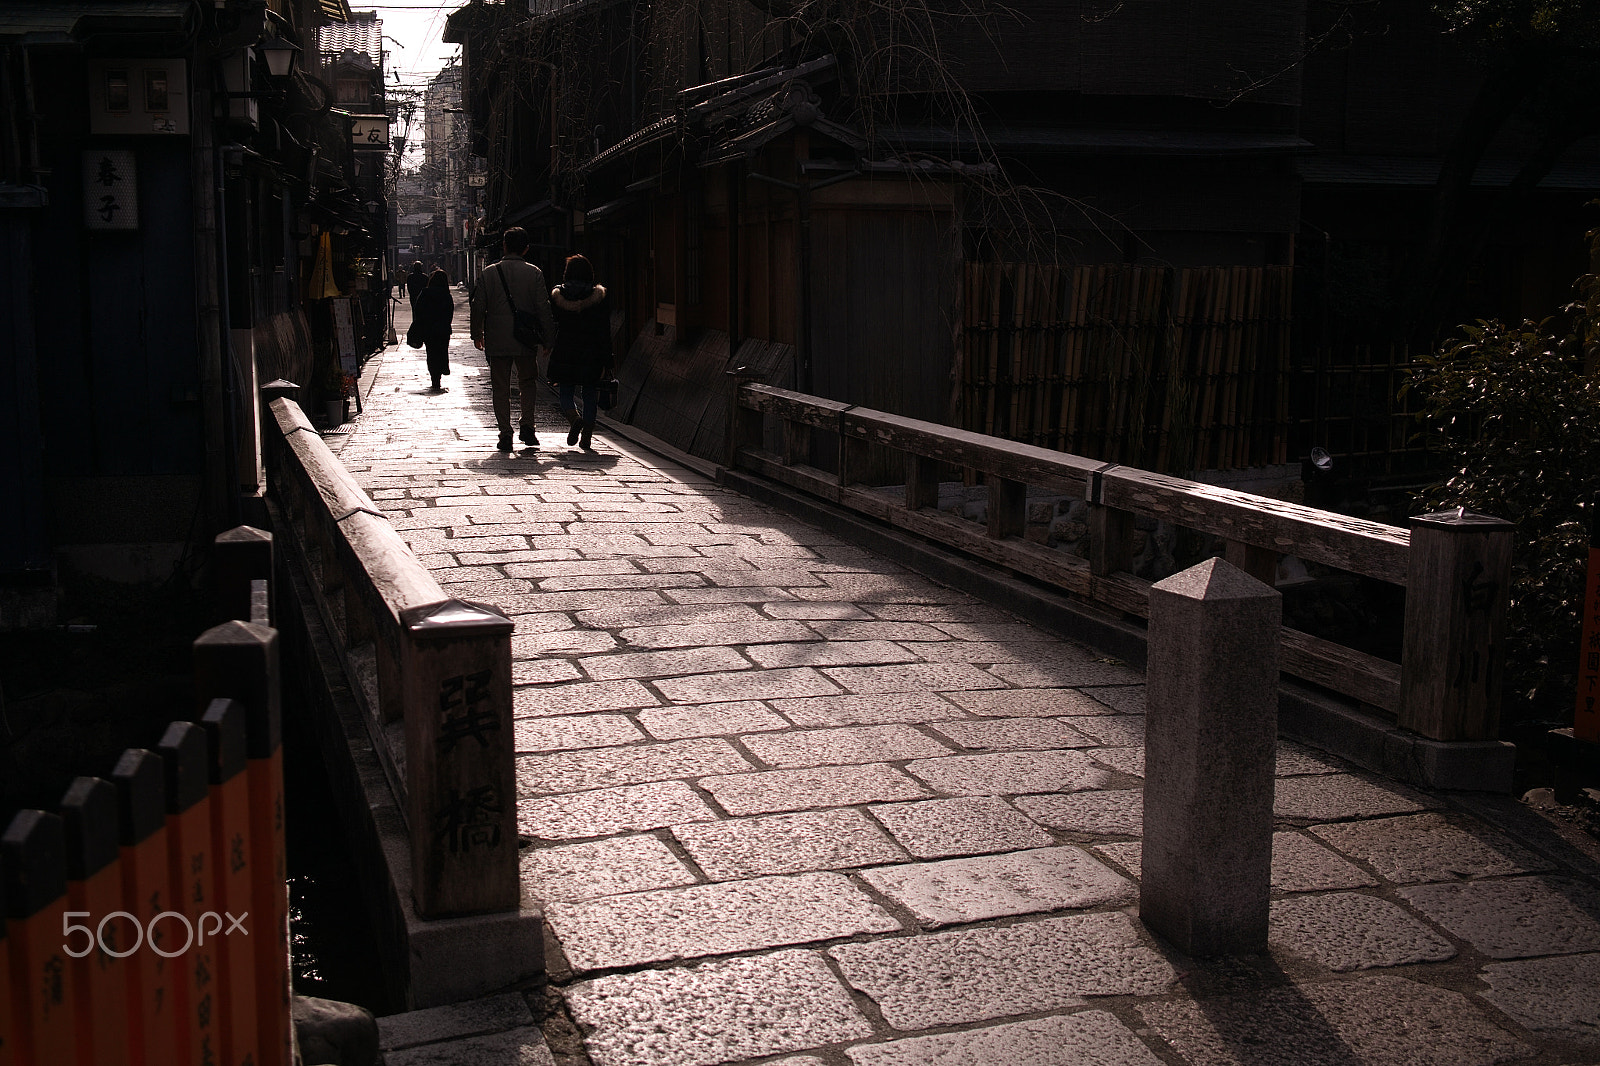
<point x="146" y="920"/>
<point x="432" y="674"/>
<point x="1454" y="566"/>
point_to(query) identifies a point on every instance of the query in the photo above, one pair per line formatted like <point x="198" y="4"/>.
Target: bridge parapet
<point x="1456" y="568"/>
<point x="431" y="674"/>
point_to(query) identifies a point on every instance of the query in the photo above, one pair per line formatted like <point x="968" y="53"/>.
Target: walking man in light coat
<point x="510" y="285"/>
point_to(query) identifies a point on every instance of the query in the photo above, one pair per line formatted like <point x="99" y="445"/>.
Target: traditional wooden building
<point x="1068" y="225"/>
<point x="163" y="190"/>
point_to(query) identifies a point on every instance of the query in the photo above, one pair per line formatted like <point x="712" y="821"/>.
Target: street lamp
<point x="279" y="54"/>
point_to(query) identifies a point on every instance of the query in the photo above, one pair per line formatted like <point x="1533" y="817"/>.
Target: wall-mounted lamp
<point x="279" y="54"/>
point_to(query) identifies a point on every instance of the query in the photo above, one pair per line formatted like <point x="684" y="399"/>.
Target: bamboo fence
<point x="1172" y="370"/>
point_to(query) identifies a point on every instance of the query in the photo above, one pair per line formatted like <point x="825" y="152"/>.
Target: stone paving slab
<point x="1010" y="734"/>
<point x="580" y="698"/>
<point x="856" y="744"/>
<point x="820" y="653"/>
<point x="650" y="664"/>
<point x="576" y="872"/>
<point x="759" y="685"/>
<point x="574" y="771"/>
<point x="1008" y="773"/>
<point x="1377" y="1021"/>
<point x="604" y="811"/>
<point x="1516" y="917"/>
<point x="1334" y="797"/>
<point x="916" y="677"/>
<point x="817" y="711"/>
<point x="794" y="790"/>
<point x="1349" y="931"/>
<point x="1556" y="995"/>
<point x="957" y="891"/>
<point x="574" y="731"/>
<point x="716" y="919"/>
<point x="1111" y="730"/>
<point x="1088" y="1038"/>
<point x="995" y="972"/>
<point x="685" y="634"/>
<point x="1301" y="865"/>
<point x="1427" y="847"/>
<point x="935" y="829"/>
<point x="709" y="720"/>
<point x="787" y="843"/>
<point x="1028" y="703"/>
<point x="1118" y="812"/>
<point x="716" y="1012"/>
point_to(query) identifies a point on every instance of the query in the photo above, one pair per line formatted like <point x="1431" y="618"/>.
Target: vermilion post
<point x="34" y="849"/>
<point x="94" y="893"/>
<point x="141" y="785"/>
<point x="239" y="660"/>
<point x="194" y="973"/>
<point x="224" y="723"/>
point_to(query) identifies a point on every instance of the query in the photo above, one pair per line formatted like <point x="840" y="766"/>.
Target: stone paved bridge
<point x="794" y="803"/>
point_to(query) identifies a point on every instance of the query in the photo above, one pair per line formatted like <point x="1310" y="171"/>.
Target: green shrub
<point x="1516" y="411"/>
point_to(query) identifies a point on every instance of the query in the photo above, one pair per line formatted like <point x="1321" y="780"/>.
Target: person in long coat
<point x="581" y="356"/>
<point x="435" y="312"/>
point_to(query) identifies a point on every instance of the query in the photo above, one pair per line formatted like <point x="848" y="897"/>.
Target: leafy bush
<point x="1516" y="411"/>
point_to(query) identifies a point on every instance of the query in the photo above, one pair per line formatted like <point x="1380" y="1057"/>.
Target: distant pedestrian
<point x="435" y="312"/>
<point x="581" y="356"/>
<point x="416" y="281"/>
<point x="508" y="289"/>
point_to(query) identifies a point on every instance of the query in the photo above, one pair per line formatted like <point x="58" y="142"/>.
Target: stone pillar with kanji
<point x="461" y="782"/>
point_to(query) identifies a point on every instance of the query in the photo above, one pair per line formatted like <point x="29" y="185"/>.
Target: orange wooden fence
<point x="145" y="921"/>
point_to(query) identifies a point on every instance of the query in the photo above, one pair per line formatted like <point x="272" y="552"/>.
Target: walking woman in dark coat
<point x="434" y="313"/>
<point x="581" y="356"/>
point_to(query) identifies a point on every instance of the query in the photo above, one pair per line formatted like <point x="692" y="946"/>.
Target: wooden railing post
<point x="1110" y="540"/>
<point x="796" y="442"/>
<point x="271" y="438"/>
<point x="239" y="661"/>
<point x="94" y="891"/>
<point x="461" y="782"/>
<point x="1259" y="563"/>
<point x="744" y="427"/>
<point x="1110" y="531"/>
<point x="240" y="557"/>
<point x="1457" y="594"/>
<point x="1008" y="507"/>
<point x="33" y="861"/>
<point x="922" y="482"/>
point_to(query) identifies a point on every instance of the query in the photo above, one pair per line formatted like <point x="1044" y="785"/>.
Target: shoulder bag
<point x="525" y="325"/>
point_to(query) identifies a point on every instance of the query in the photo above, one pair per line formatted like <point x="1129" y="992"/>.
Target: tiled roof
<point x="363" y="33"/>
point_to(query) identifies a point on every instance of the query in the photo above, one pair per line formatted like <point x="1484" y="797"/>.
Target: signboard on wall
<point x="345" y="336"/>
<point x="110" y="190"/>
<point x="369" y="131"/>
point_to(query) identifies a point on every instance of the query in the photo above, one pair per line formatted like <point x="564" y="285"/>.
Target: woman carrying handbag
<point x="581" y="356"/>
<point x="434" y="314"/>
